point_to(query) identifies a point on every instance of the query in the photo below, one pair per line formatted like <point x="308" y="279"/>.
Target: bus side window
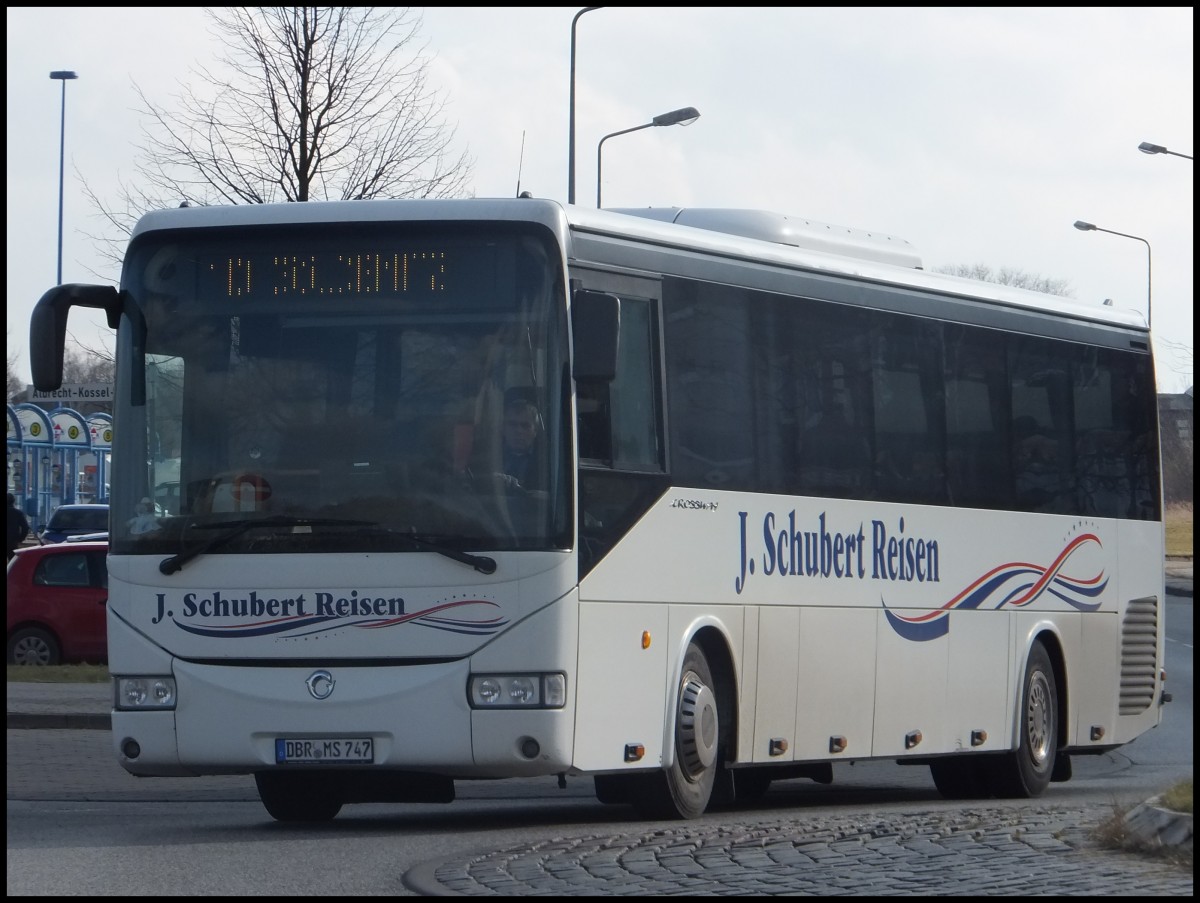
<point x="619" y="421"/>
<point x="978" y="463"/>
<point x="595" y="439"/>
<point x="1042" y="428"/>
<point x="834" y="455"/>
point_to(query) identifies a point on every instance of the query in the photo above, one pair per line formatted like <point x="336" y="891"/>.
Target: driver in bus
<point x="522" y="459"/>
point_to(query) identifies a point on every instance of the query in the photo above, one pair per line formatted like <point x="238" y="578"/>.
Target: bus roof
<point x="802" y="244"/>
<point x="751" y="235"/>
<point x="783" y="229"/>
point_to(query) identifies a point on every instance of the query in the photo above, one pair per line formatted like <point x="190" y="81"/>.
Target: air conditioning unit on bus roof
<point x="780" y="228"/>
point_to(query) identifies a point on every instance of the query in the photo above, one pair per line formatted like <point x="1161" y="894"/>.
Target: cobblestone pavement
<point x="977" y="851"/>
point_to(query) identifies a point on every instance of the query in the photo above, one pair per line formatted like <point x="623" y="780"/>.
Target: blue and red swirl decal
<point x="1017" y="584"/>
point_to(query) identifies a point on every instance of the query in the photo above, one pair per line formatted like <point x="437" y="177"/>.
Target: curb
<point x="422" y="879"/>
<point x="1150" y="825"/>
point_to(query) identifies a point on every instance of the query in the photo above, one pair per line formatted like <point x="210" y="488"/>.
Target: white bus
<point x="794" y="501"/>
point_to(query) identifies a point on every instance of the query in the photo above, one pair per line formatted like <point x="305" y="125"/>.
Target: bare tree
<point x="1007" y="276"/>
<point x="16" y="386"/>
<point x="309" y="103"/>
<point x="1181" y="356"/>
<point x="87" y="366"/>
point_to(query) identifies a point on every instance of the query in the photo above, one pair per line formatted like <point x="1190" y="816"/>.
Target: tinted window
<point x="90" y="520"/>
<point x="770" y="393"/>
<point x="64" y="569"/>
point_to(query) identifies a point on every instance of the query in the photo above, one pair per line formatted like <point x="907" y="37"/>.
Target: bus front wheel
<point x="297" y="796"/>
<point x="683" y="790"/>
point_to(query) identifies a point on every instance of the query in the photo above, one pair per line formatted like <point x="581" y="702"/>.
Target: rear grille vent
<point x="1139" y="655"/>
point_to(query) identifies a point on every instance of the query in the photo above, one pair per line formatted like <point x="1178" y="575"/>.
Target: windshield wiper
<point x="482" y="563"/>
<point x="238" y="527"/>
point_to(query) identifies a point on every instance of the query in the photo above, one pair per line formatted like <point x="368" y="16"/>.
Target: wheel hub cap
<point x="697" y="735"/>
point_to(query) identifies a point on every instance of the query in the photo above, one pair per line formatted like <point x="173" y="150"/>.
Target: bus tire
<point x="297" y="796"/>
<point x="684" y="789"/>
<point x="1026" y="772"/>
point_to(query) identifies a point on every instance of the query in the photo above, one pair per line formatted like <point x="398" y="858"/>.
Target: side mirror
<point x="595" y="335"/>
<point x="48" y="327"/>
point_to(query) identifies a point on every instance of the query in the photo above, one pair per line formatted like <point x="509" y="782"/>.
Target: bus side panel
<point x="777" y="673"/>
<point x="979" y="692"/>
<point x="622" y="685"/>
<point x="910" y="693"/>
<point x="1093" y="680"/>
<point x="837" y="682"/>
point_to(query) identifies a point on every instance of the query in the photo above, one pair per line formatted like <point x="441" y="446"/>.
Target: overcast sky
<point x="978" y="135"/>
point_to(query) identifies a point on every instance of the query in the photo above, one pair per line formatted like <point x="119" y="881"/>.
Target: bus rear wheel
<point x="1026" y="772"/>
<point x="684" y="789"/>
<point x="297" y="796"/>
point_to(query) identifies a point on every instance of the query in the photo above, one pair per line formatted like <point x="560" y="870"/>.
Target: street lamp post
<point x="682" y="116"/>
<point x="571" y="112"/>
<point x="1147" y="148"/>
<point x="63" y="75"/>
<point x="1091" y="227"/>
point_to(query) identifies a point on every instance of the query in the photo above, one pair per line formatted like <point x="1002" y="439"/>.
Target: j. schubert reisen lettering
<point x="253" y="605"/>
<point x="789" y="550"/>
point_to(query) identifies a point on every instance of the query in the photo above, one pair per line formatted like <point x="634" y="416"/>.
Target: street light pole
<point x="63" y="75"/>
<point x="1091" y="227"/>
<point x="571" y="112"/>
<point x="1147" y="148"/>
<point x="682" y="116"/>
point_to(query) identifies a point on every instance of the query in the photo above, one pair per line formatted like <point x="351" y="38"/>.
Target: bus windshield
<point x="334" y="388"/>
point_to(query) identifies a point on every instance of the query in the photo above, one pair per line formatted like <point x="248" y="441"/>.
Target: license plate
<point x="354" y="751"/>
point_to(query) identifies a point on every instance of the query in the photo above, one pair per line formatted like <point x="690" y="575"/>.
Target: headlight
<point x="142" y="693"/>
<point x="517" y="691"/>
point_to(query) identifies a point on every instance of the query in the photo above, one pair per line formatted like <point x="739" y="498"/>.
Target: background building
<point x="1176" y="427"/>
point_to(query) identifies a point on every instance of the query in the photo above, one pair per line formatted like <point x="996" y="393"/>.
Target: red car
<point x="57" y="604"/>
